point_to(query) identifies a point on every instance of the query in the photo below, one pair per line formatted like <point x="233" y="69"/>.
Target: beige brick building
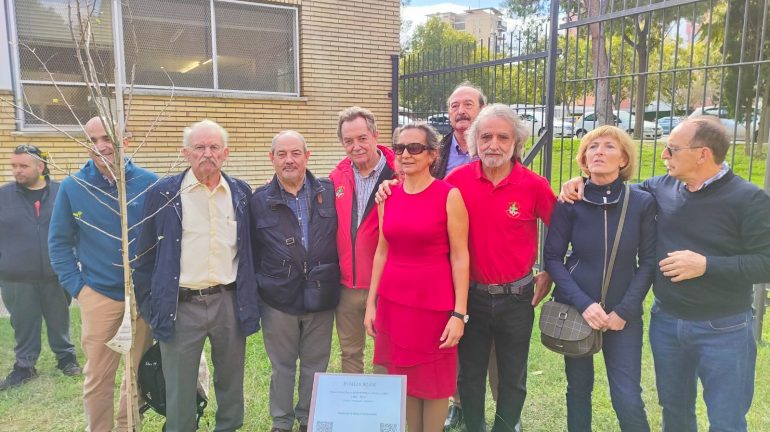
<point x="343" y="60"/>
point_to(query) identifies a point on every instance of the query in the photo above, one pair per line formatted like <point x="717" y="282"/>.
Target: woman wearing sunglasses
<point x="419" y="289"/>
<point x="588" y="228"/>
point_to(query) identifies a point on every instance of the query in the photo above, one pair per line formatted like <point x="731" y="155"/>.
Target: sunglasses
<point x="412" y="148"/>
<point x="26" y="148"/>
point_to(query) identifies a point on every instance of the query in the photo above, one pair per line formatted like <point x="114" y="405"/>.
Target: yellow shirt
<point x="209" y="235"/>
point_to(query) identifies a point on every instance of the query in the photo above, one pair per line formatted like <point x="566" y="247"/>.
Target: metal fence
<point x="642" y="65"/>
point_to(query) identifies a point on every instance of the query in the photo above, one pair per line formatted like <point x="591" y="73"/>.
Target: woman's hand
<point x="596" y="317"/>
<point x="383" y="192"/>
<point x="615" y="322"/>
<point x="369" y="317"/>
<point x="453" y="331"/>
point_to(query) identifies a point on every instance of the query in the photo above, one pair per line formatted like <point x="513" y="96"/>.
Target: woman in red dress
<point x="416" y="308"/>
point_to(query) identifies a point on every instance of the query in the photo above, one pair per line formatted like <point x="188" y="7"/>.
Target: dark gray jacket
<point x="23" y="235"/>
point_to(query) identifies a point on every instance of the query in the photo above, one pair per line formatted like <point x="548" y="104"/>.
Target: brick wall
<point x="345" y="49"/>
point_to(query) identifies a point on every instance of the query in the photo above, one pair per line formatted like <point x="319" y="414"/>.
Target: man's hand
<point x="615" y="322"/>
<point x="383" y="192"/>
<point x="572" y="190"/>
<point x="596" y="317"/>
<point x="542" y="287"/>
<point x="369" y="317"/>
<point x="453" y="331"/>
<point x="683" y="265"/>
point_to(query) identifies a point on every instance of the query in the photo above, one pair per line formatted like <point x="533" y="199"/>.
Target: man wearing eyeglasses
<point x="85" y="251"/>
<point x="713" y="244"/>
<point x="194" y="277"/>
<point x="28" y="284"/>
<point x="355" y="181"/>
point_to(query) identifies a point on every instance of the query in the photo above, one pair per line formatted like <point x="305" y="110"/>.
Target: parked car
<point x="668" y="123"/>
<point x="440" y="122"/>
<point x="623" y="119"/>
<point x="735" y="129"/>
<point x="536" y="127"/>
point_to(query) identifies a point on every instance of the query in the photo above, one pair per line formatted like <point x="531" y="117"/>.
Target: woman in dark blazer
<point x="584" y="233"/>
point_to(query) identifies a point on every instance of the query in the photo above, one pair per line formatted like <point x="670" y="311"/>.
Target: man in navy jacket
<point x="28" y="284"/>
<point x="194" y="277"/>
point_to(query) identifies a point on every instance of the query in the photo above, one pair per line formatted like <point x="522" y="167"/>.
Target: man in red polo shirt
<point x="504" y="201"/>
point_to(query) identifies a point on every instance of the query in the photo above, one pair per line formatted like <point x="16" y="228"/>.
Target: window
<point x="223" y="46"/>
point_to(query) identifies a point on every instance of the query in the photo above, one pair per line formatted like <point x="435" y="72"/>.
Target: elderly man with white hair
<point x="504" y="201"/>
<point x="194" y="277"/>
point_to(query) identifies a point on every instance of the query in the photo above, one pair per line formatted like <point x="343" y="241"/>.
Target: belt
<point x="515" y="287"/>
<point x="186" y="294"/>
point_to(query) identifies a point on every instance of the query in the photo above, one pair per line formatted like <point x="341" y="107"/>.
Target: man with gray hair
<point x="464" y="105"/>
<point x="355" y="181"/>
<point x="293" y="227"/>
<point x="194" y="277"/>
<point x="504" y="201"/>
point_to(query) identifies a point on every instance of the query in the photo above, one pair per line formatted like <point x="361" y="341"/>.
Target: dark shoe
<point x="17" y="377"/>
<point x="69" y="367"/>
<point x="453" y="418"/>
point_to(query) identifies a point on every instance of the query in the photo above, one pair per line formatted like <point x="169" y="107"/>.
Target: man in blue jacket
<point x="194" y="277"/>
<point x="294" y="227"/>
<point x="28" y="284"/>
<point x="84" y="244"/>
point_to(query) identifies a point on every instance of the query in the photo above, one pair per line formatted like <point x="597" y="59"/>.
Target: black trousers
<point x="507" y="320"/>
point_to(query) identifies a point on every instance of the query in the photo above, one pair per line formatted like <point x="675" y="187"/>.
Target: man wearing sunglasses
<point x="85" y="251"/>
<point x="355" y="180"/>
<point x="28" y="284"/>
<point x="713" y="244"/>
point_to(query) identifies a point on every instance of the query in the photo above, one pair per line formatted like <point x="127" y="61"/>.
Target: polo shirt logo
<point x="513" y="210"/>
<point x="339" y="192"/>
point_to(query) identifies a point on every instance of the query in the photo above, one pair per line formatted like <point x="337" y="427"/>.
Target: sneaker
<point x="69" y="367"/>
<point x="17" y="377"/>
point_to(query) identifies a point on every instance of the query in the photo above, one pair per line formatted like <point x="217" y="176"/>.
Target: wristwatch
<point x="464" y="318"/>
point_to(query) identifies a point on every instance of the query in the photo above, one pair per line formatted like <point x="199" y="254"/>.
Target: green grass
<point x="53" y="402"/>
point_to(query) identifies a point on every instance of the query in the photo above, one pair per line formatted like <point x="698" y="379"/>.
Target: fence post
<point x="760" y="306"/>
<point x="394" y="91"/>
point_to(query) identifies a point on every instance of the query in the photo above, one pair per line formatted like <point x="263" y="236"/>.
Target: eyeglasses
<point x="671" y="150"/>
<point x="412" y="148"/>
<point x="26" y="148"/>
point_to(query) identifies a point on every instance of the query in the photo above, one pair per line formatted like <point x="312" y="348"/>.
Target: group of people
<point x="427" y="245"/>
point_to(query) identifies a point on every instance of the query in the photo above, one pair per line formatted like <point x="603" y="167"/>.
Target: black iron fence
<point x="642" y="65"/>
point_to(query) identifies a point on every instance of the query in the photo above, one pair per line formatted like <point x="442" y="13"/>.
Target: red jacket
<point x="356" y="246"/>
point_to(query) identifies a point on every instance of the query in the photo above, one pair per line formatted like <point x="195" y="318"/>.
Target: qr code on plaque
<point x="323" y="426"/>
<point x="389" y="427"/>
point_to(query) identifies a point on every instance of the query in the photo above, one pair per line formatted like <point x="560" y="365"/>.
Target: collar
<point x="377" y="168"/>
<point x="723" y="169"/>
<point x="456" y="146"/>
<point x="305" y="186"/>
<point x="190" y="183"/>
<point x="608" y="194"/>
<point x="512" y="178"/>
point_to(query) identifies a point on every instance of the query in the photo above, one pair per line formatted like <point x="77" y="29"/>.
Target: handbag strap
<point x="606" y="281"/>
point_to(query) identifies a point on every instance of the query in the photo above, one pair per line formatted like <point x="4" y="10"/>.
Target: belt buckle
<point x="495" y="289"/>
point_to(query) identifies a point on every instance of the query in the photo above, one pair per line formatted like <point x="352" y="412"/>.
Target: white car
<point x="561" y="128"/>
<point x="623" y="119"/>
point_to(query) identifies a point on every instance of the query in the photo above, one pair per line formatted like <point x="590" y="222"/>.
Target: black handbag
<point x="563" y="329"/>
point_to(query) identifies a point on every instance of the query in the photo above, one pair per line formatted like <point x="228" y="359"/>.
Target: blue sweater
<point x="81" y="254"/>
<point x="728" y="222"/>
<point x="581" y="225"/>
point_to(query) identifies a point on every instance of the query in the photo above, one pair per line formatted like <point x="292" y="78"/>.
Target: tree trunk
<point x="641" y="89"/>
<point x="600" y="65"/>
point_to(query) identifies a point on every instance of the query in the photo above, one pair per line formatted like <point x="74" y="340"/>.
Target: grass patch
<point x="53" y="402"/>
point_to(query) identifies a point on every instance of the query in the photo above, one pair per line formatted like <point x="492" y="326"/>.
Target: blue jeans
<point x="720" y="352"/>
<point x="622" y="352"/>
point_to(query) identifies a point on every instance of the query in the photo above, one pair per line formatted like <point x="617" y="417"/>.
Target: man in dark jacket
<point x="194" y="277"/>
<point x="294" y="225"/>
<point x="29" y="287"/>
<point x="464" y="105"/>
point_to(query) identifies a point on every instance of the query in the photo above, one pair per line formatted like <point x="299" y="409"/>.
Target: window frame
<point x="118" y="49"/>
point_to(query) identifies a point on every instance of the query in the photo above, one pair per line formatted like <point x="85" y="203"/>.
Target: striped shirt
<point x="365" y="186"/>
<point x="300" y="206"/>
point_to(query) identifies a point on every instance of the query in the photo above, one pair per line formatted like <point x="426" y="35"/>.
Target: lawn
<point x="53" y="402"/>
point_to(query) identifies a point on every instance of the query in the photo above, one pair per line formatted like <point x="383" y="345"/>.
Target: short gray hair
<point x="201" y="125"/>
<point x="431" y="135"/>
<point x="520" y="132"/>
<point x="288" y="132"/>
<point x="353" y="113"/>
